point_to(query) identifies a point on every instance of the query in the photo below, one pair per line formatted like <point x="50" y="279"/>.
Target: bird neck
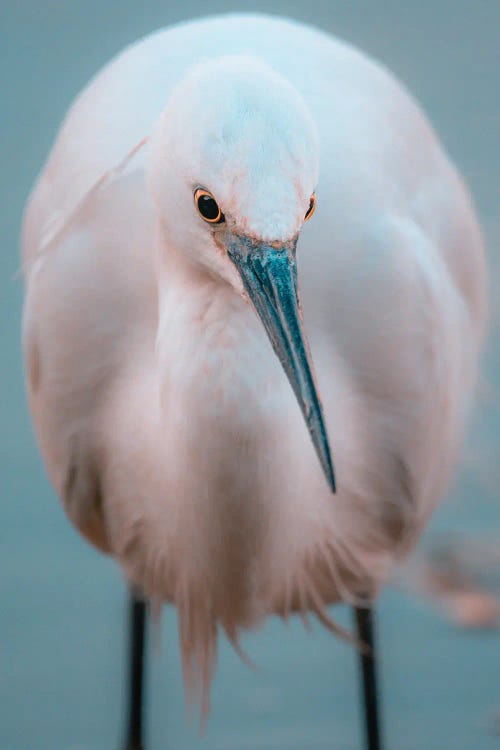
<point x="214" y="357"/>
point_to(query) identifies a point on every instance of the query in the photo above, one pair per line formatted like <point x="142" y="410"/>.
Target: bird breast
<point x="223" y="404"/>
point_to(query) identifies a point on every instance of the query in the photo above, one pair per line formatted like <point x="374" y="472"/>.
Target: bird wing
<point x="90" y="310"/>
<point x="60" y="221"/>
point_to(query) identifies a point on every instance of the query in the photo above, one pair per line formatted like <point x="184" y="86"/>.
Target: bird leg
<point x="137" y="637"/>
<point x="365" y="631"/>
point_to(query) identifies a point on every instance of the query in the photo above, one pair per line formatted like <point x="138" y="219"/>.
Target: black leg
<point x="365" y="631"/>
<point x="137" y="637"/>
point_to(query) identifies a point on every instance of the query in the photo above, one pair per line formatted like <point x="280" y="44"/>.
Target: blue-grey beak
<point x="269" y="275"/>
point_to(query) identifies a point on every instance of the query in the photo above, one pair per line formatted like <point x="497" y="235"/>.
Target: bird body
<point x="166" y="422"/>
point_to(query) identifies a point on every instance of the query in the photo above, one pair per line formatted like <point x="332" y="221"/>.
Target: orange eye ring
<point x="207" y="207"/>
<point x="312" y="207"/>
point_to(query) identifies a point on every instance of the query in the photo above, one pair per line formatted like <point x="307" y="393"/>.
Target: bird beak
<point x="269" y="275"/>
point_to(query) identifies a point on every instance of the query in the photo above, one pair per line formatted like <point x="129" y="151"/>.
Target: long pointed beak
<point x="269" y="275"/>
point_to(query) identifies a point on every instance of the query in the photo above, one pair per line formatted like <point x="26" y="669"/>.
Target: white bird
<point x="159" y="254"/>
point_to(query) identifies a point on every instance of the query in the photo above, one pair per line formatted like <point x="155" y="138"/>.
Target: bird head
<point x="233" y="166"/>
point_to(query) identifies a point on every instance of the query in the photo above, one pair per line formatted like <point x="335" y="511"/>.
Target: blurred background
<point x="62" y="605"/>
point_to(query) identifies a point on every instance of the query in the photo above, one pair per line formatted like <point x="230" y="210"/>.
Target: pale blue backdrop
<point x="62" y="633"/>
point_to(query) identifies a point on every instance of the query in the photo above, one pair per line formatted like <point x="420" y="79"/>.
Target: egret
<point x="238" y="457"/>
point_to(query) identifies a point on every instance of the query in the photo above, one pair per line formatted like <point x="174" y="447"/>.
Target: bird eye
<point x="312" y="206"/>
<point x="207" y="206"/>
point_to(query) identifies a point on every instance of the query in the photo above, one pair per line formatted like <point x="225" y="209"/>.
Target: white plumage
<point x="166" y="422"/>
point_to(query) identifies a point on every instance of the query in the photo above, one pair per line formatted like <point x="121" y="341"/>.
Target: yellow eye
<point x="207" y="206"/>
<point x="312" y="206"/>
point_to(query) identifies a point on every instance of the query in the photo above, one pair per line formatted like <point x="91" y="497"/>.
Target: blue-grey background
<point x="62" y="605"/>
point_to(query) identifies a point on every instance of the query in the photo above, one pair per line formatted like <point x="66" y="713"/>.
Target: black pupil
<point x="208" y="207"/>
